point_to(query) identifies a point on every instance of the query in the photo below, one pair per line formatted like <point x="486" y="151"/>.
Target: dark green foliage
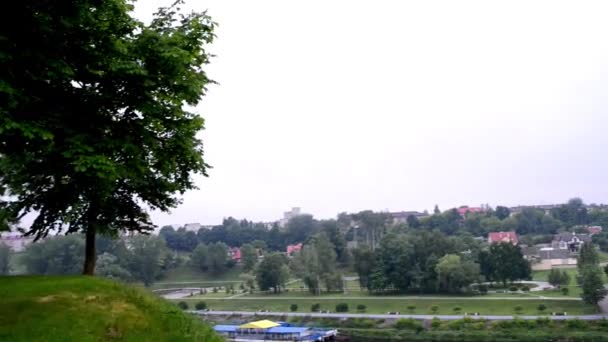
<point x="93" y="129"/>
<point x="200" y="306"/>
<point x="411" y="308"/>
<point x="293" y="307"/>
<point x="542" y="307"/>
<point x="408" y="323"/>
<point x="361" y="307"/>
<point x="513" y="288"/>
<point x="5" y="259"/>
<point x="272" y="272"/>
<point x="342" y="307"/>
<point x="587" y="257"/>
<point x="183" y="305"/>
<point x="434" y="309"/>
<point x="525" y="288"/>
<point x="558" y="278"/>
<point x="565" y="291"/>
<point x="592" y="285"/>
<point x="249" y="257"/>
<point x="316" y="307"/>
<point x="505" y="262"/>
<point x="55" y="256"/>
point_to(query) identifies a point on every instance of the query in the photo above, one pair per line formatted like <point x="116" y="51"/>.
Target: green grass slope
<point x="78" y="308"/>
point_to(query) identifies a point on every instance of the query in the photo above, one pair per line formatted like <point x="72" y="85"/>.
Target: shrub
<point x="341" y="307"/>
<point x="316" y="307"/>
<point x="543" y="321"/>
<point x="360" y="323"/>
<point x="483" y="289"/>
<point x="525" y="288"/>
<point x="434" y="308"/>
<point x="200" y="306"/>
<point x="409" y="324"/>
<point x="518" y="309"/>
<point x="513" y="288"/>
<point x="293" y="307"/>
<point x="576" y="324"/>
<point x="457" y="309"/>
<point x="565" y="291"/>
<point x="361" y="308"/>
<point x="541" y="307"/>
<point x="411" y="308"/>
<point x="183" y="305"/>
<point x="215" y="290"/>
<point x="436" y="323"/>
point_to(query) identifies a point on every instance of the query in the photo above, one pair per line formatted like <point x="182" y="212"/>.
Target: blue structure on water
<point x="273" y="331"/>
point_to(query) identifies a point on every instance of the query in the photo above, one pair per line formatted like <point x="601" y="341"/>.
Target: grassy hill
<point x="77" y="308"/>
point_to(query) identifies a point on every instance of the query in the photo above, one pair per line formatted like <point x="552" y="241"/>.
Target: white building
<point x="288" y="215"/>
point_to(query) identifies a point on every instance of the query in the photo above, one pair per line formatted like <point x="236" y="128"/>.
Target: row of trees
<point x="432" y="262"/>
<point x="141" y="258"/>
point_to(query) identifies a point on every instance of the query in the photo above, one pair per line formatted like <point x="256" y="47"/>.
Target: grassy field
<point x="185" y="273"/>
<point x="77" y="308"/>
<point x="423" y="306"/>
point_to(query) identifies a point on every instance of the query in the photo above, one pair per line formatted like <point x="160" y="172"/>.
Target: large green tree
<point x="587" y="256"/>
<point x="147" y="254"/>
<point x="272" y="272"/>
<point x="93" y="125"/>
<point x="454" y="273"/>
<point x="506" y="263"/>
<point x="592" y="284"/>
<point x="200" y="257"/>
<point x="249" y="257"/>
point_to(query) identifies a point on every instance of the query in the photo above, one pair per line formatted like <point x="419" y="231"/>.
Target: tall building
<point x="288" y="215"/>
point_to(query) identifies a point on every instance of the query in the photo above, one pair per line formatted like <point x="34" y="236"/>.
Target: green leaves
<point x="93" y="129"/>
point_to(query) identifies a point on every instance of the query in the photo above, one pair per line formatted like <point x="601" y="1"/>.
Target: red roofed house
<point x="498" y="237"/>
<point x="465" y="210"/>
<point x="594" y="230"/>
<point x="234" y="253"/>
<point x="293" y="248"/>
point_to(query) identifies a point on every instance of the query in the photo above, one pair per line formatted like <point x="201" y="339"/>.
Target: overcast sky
<point x="390" y="105"/>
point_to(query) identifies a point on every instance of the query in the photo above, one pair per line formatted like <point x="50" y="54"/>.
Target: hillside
<point x="80" y="308"/>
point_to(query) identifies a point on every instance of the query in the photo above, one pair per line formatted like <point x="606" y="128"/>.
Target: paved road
<point x="385" y="316"/>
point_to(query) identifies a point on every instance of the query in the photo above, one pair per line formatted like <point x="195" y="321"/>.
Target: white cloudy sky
<point x="350" y="105"/>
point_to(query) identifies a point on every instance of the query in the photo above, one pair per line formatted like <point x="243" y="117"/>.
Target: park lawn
<point x="542" y="275"/>
<point x="186" y="273"/>
<point x="423" y="306"/>
<point x="78" y="308"/>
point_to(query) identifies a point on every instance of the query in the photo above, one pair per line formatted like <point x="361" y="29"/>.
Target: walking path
<point x="385" y="316"/>
<point x="404" y="298"/>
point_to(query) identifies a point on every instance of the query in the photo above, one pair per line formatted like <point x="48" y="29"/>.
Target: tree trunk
<point x="90" y="254"/>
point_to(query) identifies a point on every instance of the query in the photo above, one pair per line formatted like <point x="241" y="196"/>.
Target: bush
<point x="457" y="309"/>
<point x="541" y="307"/>
<point x="434" y="308"/>
<point x="513" y="288"/>
<point x="316" y="307"/>
<point x="341" y="307"/>
<point x="183" y="305"/>
<point x="483" y="289"/>
<point x="565" y="291"/>
<point x="293" y="307"/>
<point x="215" y="290"/>
<point x="576" y="324"/>
<point x="361" y="308"/>
<point x="360" y="323"/>
<point x="543" y="321"/>
<point x="411" y="308"/>
<point x="409" y="324"/>
<point x="200" y="306"/>
<point x="436" y="323"/>
<point x="519" y="309"/>
<point x="525" y="288"/>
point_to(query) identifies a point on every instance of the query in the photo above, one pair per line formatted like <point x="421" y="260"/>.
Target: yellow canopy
<point x="263" y="324"/>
